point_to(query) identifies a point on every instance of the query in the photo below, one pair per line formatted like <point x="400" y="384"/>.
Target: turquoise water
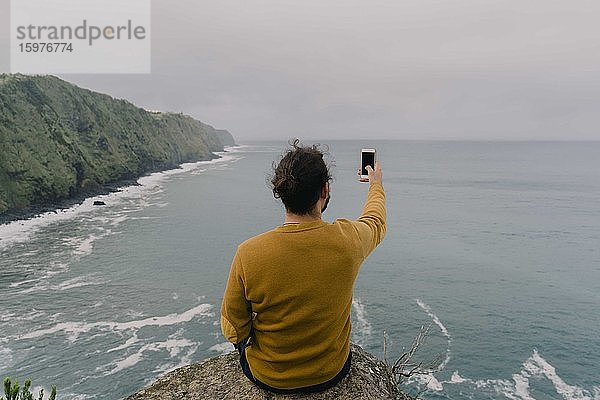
<point x="493" y="244"/>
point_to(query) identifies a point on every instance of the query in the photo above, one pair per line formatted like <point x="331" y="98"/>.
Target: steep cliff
<point x="222" y="378"/>
<point x="225" y="137"/>
<point x="59" y="141"/>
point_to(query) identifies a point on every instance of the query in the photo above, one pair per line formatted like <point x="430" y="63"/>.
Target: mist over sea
<point x="496" y="245"/>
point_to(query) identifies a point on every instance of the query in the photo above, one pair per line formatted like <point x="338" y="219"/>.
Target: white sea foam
<point x="128" y="343"/>
<point x="222" y="348"/>
<point x="171" y="319"/>
<point x="429" y="381"/>
<point x="21" y="230"/>
<point x="32" y="315"/>
<point x="155" y="179"/>
<point x="7" y="317"/>
<point x="434" y="384"/>
<point x="79" y="282"/>
<point x="134" y="313"/>
<point x="434" y="317"/>
<point x="244" y="148"/>
<point x="17" y="284"/>
<point x="127" y="362"/>
<point x="173" y="346"/>
<point x="41" y="282"/>
<point x="186" y="359"/>
<point x="443" y="329"/>
<point x="362" y="326"/>
<point x="75" y="396"/>
<point x="85" y="246"/>
<point x="456" y="378"/>
<point x="55" y="268"/>
<point x="537" y="366"/>
<point x="522" y="387"/>
<point x="74" y="329"/>
<point x="44" y="285"/>
<point x="534" y="368"/>
<point x="240" y="148"/>
<point x="118" y="220"/>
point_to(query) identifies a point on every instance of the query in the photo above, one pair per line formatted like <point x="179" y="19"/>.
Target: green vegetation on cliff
<point x="59" y="141"/>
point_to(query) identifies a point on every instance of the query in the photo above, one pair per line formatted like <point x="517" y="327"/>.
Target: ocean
<point x="493" y="245"/>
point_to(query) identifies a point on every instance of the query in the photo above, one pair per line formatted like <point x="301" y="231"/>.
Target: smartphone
<point x="367" y="157"/>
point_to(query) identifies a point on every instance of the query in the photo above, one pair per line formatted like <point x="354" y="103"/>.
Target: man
<point x="288" y="298"/>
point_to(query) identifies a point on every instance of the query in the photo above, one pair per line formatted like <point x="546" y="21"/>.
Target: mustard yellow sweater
<point x="293" y="285"/>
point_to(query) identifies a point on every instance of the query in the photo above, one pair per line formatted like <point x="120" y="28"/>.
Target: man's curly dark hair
<point x="299" y="177"/>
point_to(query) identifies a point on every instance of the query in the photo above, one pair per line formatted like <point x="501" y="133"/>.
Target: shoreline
<point x="59" y="206"/>
<point x="64" y="204"/>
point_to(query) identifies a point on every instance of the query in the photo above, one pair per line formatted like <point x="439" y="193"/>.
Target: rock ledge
<point x="221" y="377"/>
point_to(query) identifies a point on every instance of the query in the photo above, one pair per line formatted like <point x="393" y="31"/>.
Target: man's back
<point x="296" y="281"/>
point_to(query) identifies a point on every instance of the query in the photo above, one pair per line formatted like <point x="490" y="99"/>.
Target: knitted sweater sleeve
<point x="236" y="310"/>
<point x="371" y="225"/>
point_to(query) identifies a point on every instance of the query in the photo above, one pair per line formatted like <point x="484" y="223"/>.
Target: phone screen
<point x="368" y="158"/>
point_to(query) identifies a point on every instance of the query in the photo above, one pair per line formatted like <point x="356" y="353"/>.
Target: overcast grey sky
<point x="405" y="69"/>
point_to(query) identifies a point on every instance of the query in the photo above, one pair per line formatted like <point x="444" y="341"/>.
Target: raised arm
<point x="371" y="225"/>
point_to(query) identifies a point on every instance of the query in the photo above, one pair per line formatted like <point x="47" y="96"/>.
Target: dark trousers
<point x="241" y="347"/>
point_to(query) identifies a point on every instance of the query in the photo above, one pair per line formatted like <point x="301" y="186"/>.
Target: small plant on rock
<point x="12" y="391"/>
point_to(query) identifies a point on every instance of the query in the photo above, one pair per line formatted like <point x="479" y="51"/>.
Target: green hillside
<point x="59" y="141"/>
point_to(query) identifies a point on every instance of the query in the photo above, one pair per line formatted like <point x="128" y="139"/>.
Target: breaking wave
<point x="535" y="368"/>
<point x="362" y="327"/>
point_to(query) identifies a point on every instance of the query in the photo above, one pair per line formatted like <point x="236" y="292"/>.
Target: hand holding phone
<point x="367" y="157"/>
<point x="375" y="175"/>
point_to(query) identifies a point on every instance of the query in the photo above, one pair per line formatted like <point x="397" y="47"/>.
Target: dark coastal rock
<point x="222" y="378"/>
<point x="99" y="203"/>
